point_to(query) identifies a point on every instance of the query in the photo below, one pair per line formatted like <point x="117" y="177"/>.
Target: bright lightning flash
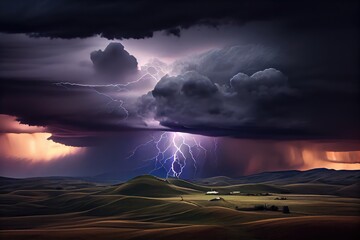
<point x="174" y="151"/>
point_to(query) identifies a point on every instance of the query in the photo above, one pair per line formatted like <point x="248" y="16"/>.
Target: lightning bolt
<point x="173" y="152"/>
<point x="215" y="149"/>
<point x="199" y="146"/>
<point x="140" y="146"/>
<point x="119" y="103"/>
<point x="119" y="86"/>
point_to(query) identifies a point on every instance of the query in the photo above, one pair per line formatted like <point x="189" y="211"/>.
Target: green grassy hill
<point x="150" y="186"/>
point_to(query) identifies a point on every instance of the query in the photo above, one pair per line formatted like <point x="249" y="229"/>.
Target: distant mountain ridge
<point x="318" y="175"/>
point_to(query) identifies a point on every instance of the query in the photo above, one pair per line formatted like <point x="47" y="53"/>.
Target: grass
<point x="150" y="208"/>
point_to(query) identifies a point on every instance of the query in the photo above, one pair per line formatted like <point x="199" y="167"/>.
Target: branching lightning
<point x="215" y="149"/>
<point x="119" y="86"/>
<point x="173" y="151"/>
<point x="119" y="103"/>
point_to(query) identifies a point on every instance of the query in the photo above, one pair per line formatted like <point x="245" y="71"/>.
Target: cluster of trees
<point x="265" y="207"/>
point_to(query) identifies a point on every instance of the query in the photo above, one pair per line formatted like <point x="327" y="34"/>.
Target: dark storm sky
<point x="282" y="72"/>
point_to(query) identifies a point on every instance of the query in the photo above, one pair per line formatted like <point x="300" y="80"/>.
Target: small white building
<point x="234" y="192"/>
<point x="212" y="192"/>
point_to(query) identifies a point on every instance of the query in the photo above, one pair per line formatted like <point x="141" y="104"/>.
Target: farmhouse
<point x="212" y="192"/>
<point x="234" y="192"/>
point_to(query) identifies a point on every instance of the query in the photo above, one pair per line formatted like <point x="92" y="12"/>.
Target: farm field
<point x="149" y="207"/>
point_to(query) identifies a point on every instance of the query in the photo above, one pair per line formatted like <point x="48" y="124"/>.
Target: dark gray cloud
<point x="70" y="113"/>
<point x="262" y="84"/>
<point x="235" y="91"/>
<point x="114" y="62"/>
<point x="192" y="100"/>
<point x="317" y="54"/>
<point x="78" y="113"/>
<point x="275" y="70"/>
<point x="138" y="19"/>
<point x="255" y="103"/>
<point x="221" y="64"/>
<point x="46" y="59"/>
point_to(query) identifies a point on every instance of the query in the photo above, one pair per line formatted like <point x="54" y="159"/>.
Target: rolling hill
<point x="147" y="207"/>
<point x="315" y="181"/>
<point x="319" y="175"/>
<point x="150" y="186"/>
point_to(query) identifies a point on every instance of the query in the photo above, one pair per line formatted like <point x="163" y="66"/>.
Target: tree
<point x="286" y="209"/>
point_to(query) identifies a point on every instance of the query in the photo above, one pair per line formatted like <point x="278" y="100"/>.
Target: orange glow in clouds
<point x="331" y="160"/>
<point x="33" y="146"/>
<point x="345" y="157"/>
<point x="247" y="157"/>
<point x="22" y="141"/>
<point x="8" y="124"/>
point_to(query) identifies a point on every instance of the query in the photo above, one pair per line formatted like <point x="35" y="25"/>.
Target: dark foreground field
<point x="150" y="208"/>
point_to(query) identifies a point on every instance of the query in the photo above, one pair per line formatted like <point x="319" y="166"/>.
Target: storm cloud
<point x="222" y="64"/>
<point x="243" y="71"/>
<point x="192" y="101"/>
<point x="254" y="91"/>
<point x="138" y="19"/>
<point x="114" y="62"/>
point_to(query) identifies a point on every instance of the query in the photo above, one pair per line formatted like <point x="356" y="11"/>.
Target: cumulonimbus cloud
<point x="192" y="100"/>
<point x="222" y="64"/>
<point x="114" y="62"/>
<point x="229" y="97"/>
